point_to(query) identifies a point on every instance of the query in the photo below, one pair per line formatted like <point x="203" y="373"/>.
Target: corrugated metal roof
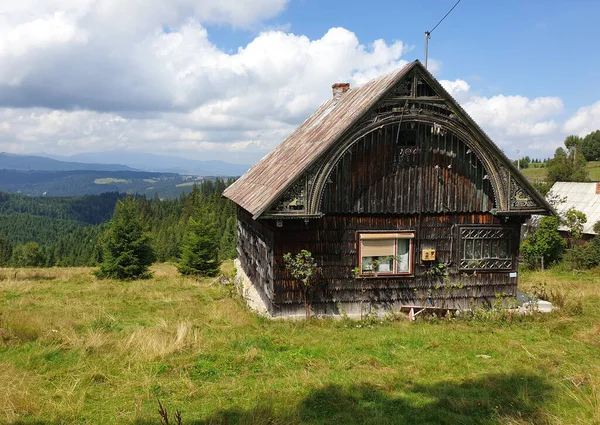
<point x="268" y="178"/>
<point x="582" y="197"/>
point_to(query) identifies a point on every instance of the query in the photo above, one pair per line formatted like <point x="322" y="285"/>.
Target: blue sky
<point x="229" y="79"/>
<point x="528" y="47"/>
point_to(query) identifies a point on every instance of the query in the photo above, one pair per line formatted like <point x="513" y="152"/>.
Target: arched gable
<point x="452" y="166"/>
<point x="405" y="168"/>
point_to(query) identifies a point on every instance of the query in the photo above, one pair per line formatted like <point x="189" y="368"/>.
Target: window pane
<point x="367" y="264"/>
<point x="477" y="247"/>
<point x="494" y="248"/>
<point x="503" y="251"/>
<point x="486" y="248"/>
<point x="377" y="264"/>
<point x="402" y="256"/>
<point x="469" y="249"/>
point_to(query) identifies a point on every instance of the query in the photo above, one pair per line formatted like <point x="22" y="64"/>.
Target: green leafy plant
<point x="544" y="243"/>
<point x="574" y="220"/>
<point x="28" y="255"/>
<point x="303" y="268"/>
<point x="583" y="257"/>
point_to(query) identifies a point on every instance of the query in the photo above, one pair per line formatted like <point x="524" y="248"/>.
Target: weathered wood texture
<point x="255" y="252"/>
<point x="333" y="242"/>
<point x="408" y="171"/>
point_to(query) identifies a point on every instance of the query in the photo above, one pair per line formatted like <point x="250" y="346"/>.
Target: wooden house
<point x="399" y="195"/>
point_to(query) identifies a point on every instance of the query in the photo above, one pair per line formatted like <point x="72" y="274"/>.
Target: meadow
<point x="74" y="349"/>
<point x="540" y="174"/>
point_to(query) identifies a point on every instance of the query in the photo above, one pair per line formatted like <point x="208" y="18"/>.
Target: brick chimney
<point x="597" y="188"/>
<point x="339" y="89"/>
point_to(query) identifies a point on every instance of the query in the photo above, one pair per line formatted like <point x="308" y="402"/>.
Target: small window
<point x="385" y="253"/>
<point x="486" y="248"/>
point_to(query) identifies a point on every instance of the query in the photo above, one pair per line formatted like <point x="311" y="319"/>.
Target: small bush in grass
<point x="546" y="242"/>
<point x="582" y="257"/>
<point x="303" y="268"/>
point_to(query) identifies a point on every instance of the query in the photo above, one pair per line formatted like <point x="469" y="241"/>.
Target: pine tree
<point x="28" y="255"/>
<point x="228" y="248"/>
<point x="127" y="248"/>
<point x="6" y="251"/>
<point x="200" y="249"/>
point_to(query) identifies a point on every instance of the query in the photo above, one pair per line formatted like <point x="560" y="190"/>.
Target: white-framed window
<point x="385" y="253"/>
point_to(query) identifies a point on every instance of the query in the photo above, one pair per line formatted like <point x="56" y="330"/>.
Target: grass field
<point x="77" y="350"/>
<point x="110" y="180"/>
<point x="541" y="173"/>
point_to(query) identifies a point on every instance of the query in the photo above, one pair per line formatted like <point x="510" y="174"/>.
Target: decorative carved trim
<point x="519" y="198"/>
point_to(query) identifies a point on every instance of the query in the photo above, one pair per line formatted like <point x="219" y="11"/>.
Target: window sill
<point x="384" y="275"/>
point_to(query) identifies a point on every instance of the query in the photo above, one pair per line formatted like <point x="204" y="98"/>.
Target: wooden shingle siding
<point x="378" y="176"/>
<point x="333" y="242"/>
<point x="255" y="253"/>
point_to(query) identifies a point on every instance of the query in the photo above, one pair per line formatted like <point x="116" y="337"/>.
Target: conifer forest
<point x="68" y="231"/>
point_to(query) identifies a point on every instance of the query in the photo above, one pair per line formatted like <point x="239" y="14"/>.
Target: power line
<point x="445" y="16"/>
<point x="428" y="33"/>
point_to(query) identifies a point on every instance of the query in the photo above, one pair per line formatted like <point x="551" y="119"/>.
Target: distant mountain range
<point x="96" y="173"/>
<point x="32" y="162"/>
<point x="121" y="161"/>
<point x="158" y="163"/>
<point x="91" y="182"/>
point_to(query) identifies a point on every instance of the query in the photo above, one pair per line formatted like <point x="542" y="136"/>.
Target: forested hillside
<point x="79" y="183"/>
<point x="90" y="209"/>
<point x="33" y="162"/>
<point x="44" y="231"/>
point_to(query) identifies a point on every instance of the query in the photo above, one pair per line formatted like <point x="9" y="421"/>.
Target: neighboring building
<point x="584" y="197"/>
<point x="392" y="178"/>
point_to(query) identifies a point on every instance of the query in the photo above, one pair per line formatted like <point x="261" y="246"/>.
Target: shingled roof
<point x="269" y="178"/>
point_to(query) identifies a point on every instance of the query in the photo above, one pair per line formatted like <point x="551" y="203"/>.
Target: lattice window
<point x="486" y="248"/>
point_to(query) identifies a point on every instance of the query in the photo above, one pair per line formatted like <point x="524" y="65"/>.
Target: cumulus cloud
<point x="584" y="121"/>
<point x="117" y="75"/>
<point x="513" y="122"/>
<point x="90" y="75"/>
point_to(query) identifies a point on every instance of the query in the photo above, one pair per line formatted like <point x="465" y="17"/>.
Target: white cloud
<point x="513" y="122"/>
<point x="91" y="75"/>
<point x="584" y="121"/>
<point x="103" y="86"/>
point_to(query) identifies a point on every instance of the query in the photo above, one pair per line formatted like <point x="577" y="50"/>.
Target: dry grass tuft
<point x="585" y="391"/>
<point x="90" y="340"/>
<point x="23" y="326"/>
<point x="159" y="341"/>
<point x="590" y="335"/>
<point x="16" y="398"/>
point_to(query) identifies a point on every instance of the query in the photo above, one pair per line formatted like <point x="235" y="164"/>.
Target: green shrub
<point x="546" y="242"/>
<point x="583" y="257"/>
<point x="28" y="255"/>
